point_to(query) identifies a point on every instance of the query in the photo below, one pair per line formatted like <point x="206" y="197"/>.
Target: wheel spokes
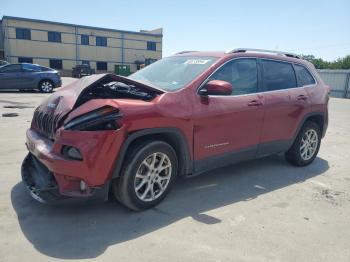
<point x="153" y="176"/>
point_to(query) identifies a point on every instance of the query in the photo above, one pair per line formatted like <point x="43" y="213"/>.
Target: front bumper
<point x="40" y="181"/>
<point x="50" y="177"/>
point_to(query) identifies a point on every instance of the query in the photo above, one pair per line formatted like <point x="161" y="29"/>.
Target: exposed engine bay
<point x="108" y="87"/>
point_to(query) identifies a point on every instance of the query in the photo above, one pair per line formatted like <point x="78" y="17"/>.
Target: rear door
<point x="227" y="128"/>
<point x="281" y="113"/>
<point x="299" y="96"/>
<point x="9" y="76"/>
<point x="30" y="75"/>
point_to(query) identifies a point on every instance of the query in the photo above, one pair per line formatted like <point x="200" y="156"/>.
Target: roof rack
<point x="244" y="50"/>
<point x="184" y="52"/>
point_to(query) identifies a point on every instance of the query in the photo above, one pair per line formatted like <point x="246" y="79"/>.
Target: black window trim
<point x="293" y="63"/>
<point x="260" y="86"/>
<point x="280" y="61"/>
<point x="258" y="91"/>
<point x="307" y="69"/>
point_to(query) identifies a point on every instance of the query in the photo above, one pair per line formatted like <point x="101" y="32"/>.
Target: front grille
<point x="46" y="123"/>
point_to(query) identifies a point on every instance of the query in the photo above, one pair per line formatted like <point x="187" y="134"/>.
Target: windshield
<point x="173" y="73"/>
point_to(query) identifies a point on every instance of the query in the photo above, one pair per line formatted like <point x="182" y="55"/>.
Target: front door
<point x="227" y="128"/>
<point x="9" y="76"/>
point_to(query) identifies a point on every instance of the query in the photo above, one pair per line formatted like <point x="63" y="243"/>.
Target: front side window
<point x="101" y="41"/>
<point x="56" y="63"/>
<point x="23" y="33"/>
<point x="241" y="73"/>
<point x="84" y="39"/>
<point x="11" y="68"/>
<point x="173" y="73"/>
<point x="303" y="75"/>
<point x="278" y="75"/>
<point x="85" y="62"/>
<point x="54" y="36"/>
<point x="101" y="66"/>
<point x="25" y="60"/>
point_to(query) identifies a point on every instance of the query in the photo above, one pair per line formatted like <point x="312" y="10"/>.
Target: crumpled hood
<point x="51" y="112"/>
<point x="65" y="99"/>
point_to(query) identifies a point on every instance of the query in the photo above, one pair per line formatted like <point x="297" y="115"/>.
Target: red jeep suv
<point x="179" y="116"/>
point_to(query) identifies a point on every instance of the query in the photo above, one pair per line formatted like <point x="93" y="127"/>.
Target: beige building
<point x="62" y="46"/>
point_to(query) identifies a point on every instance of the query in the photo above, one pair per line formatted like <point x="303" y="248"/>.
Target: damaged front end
<point x="75" y="137"/>
<point x="52" y="113"/>
<point x="39" y="180"/>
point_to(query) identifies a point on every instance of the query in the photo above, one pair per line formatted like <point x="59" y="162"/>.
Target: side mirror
<point x="216" y="87"/>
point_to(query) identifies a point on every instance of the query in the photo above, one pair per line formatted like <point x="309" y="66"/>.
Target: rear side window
<point x="278" y="75"/>
<point x="31" y="68"/>
<point x="303" y="75"/>
<point x="241" y="73"/>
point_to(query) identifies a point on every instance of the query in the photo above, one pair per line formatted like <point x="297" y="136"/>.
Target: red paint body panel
<point x="211" y="126"/>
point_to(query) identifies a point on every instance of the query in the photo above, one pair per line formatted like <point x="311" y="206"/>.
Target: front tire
<point x="147" y="175"/>
<point x="306" y="145"/>
<point x="46" y="86"/>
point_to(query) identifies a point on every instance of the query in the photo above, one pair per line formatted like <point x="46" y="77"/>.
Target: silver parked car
<point x="29" y="76"/>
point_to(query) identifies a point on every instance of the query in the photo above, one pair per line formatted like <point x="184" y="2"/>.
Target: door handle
<point x="302" y="97"/>
<point x="255" y="103"/>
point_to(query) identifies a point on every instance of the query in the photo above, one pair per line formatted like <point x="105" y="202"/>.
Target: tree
<point x="319" y="63"/>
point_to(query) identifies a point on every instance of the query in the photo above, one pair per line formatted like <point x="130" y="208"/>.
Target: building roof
<point x="142" y="32"/>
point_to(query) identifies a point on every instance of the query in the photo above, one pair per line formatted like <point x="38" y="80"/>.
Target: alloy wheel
<point x="46" y="86"/>
<point x="153" y="176"/>
<point x="308" y="145"/>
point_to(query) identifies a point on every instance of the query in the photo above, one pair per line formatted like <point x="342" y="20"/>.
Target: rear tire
<point x="147" y="176"/>
<point x="46" y="86"/>
<point x="306" y="145"/>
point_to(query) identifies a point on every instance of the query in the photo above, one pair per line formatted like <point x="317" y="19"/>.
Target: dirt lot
<point x="263" y="210"/>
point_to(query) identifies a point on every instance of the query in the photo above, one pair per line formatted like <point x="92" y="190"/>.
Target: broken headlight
<point x="104" y="118"/>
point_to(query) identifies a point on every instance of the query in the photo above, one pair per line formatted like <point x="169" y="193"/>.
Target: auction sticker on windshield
<point x="196" y="61"/>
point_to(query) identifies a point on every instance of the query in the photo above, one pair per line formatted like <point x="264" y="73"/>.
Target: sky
<point x="320" y="28"/>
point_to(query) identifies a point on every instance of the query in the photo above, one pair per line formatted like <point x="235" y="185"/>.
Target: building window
<point x="54" y="36"/>
<point x="85" y="62"/>
<point x="151" y="46"/>
<point x="101" y="41"/>
<point x="23" y="33"/>
<point x="101" y="66"/>
<point x="56" y="63"/>
<point x="25" y="60"/>
<point x="84" y="39"/>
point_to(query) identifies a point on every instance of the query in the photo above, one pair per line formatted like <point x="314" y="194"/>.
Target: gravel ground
<point x="262" y="210"/>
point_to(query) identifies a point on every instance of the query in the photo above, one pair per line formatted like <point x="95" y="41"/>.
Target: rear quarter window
<point x="303" y="76"/>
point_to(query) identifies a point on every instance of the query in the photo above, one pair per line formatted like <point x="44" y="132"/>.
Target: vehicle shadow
<point x="87" y="230"/>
